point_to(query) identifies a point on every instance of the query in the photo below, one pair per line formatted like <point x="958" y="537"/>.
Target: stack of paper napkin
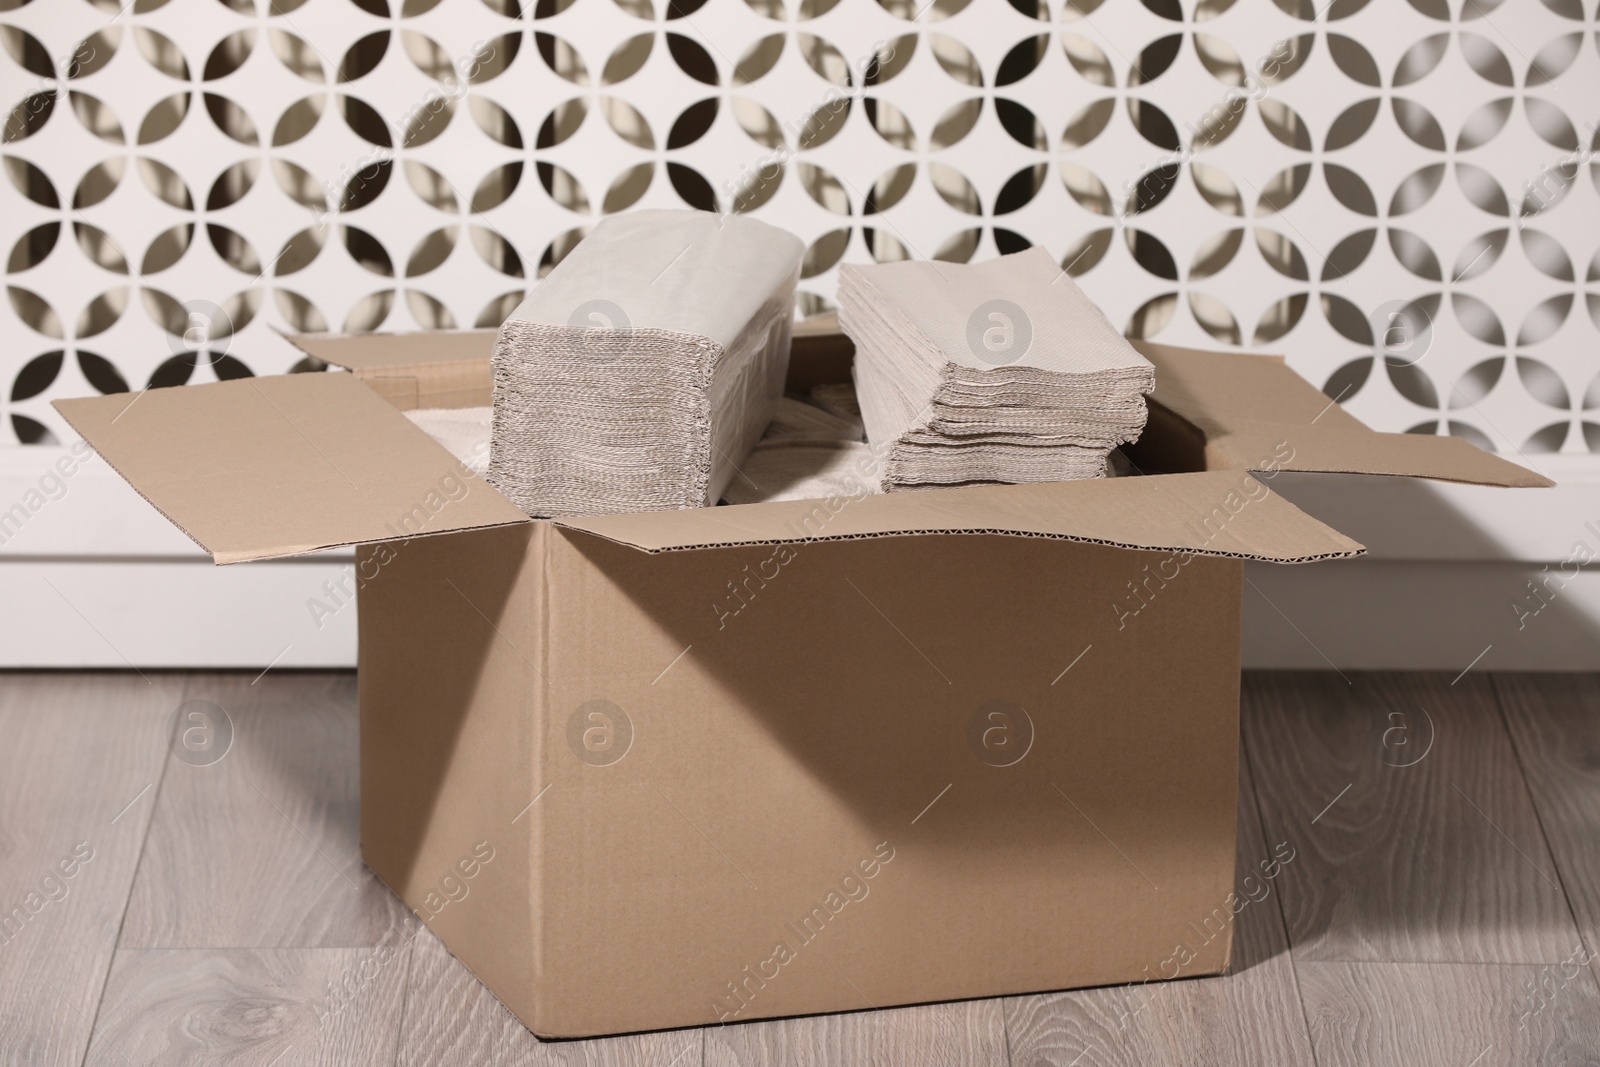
<point x="1001" y="371"/>
<point x="642" y="370"/>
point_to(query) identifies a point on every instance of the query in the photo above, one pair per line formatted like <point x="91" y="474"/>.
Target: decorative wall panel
<point x="1400" y="196"/>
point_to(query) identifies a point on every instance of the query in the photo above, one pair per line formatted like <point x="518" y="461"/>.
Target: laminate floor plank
<point x="1417" y="840"/>
<point x="1433" y="845"/>
<point x="1555" y="723"/>
<point x="251" y="1008"/>
<point x="1251" y="1015"/>
<point x="1451" y="1014"/>
<point x="452" y="1018"/>
<point x="260" y="849"/>
<point x="966" y="1033"/>
<point x="80" y="768"/>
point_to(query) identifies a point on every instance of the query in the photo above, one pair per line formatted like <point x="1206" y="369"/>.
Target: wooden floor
<point x="1442" y="906"/>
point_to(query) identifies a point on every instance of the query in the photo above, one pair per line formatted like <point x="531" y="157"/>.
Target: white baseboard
<point x="169" y="613"/>
<point x="1353" y="615"/>
<point x="92" y="576"/>
<point x="1417" y="519"/>
<point x="1409" y="615"/>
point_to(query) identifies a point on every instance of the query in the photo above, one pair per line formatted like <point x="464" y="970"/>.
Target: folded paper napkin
<point x="1001" y="371"/>
<point x="809" y="453"/>
<point x="641" y="371"/>
<point x="464" y="432"/>
<point x="796" y="420"/>
<point x="806" y="470"/>
<point x="806" y="453"/>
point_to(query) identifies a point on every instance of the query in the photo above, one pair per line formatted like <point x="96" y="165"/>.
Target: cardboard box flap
<point x="1329" y="450"/>
<point x="261" y="467"/>
<point x="1216" y="513"/>
<point x="1252" y="410"/>
<point x="431" y="369"/>
<point x="376" y="351"/>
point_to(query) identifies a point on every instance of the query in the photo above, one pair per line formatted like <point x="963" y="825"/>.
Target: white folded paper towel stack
<point x="1001" y="371"/>
<point x="639" y="373"/>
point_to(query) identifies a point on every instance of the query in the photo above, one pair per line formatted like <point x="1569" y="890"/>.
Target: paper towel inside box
<point x="688" y="272"/>
<point x="640" y="373"/>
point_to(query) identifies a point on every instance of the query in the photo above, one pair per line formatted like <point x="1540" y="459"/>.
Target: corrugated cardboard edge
<point x="1174" y="507"/>
<point x="1357" y="550"/>
<point x="537" y="831"/>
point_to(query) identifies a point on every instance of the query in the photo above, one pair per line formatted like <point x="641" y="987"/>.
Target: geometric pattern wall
<point x="1402" y="197"/>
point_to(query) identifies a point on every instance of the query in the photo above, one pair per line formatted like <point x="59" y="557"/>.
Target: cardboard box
<point x="671" y="769"/>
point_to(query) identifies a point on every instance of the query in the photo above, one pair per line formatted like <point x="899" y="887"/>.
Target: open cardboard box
<point x="670" y="769"/>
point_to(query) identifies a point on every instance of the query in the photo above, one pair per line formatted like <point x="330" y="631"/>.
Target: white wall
<point x="1396" y="195"/>
<point x="96" y="577"/>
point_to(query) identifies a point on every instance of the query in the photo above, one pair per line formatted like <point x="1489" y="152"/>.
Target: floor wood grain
<point x="1450" y="1014"/>
<point x="1555" y="723"/>
<point x="251" y="1007"/>
<point x="80" y="768"/>
<point x="260" y="849"/>
<point x="1416" y="836"/>
<point x="1251" y="1015"/>
<point x="968" y="1033"/>
<point x="1442" y="841"/>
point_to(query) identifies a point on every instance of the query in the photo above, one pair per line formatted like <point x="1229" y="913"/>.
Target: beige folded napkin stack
<point x="1001" y="371"/>
<point x="642" y="370"/>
